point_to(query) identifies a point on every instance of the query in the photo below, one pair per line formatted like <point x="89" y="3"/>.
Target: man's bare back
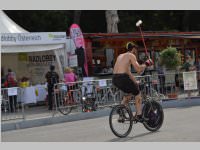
<point x="123" y="64"/>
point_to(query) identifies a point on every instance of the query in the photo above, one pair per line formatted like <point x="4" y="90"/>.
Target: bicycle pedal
<point x="146" y="119"/>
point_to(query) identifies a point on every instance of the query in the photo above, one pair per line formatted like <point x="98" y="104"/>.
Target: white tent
<point x="9" y="26"/>
<point x="16" y="40"/>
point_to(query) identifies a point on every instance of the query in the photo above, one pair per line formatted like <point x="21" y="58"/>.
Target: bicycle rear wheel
<point x="154" y="116"/>
<point x="120" y="121"/>
<point x="63" y="107"/>
<point x="65" y="110"/>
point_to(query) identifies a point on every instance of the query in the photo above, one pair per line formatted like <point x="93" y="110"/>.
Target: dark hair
<point x="130" y="46"/>
<point x="9" y="70"/>
<point x="52" y="67"/>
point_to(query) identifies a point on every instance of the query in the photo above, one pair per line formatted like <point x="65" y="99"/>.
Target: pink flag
<point x="77" y="36"/>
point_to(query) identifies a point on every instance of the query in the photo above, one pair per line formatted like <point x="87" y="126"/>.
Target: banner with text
<point x="190" y="80"/>
<point x="33" y="38"/>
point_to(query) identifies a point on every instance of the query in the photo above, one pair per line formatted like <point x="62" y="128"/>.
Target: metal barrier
<point x="91" y="95"/>
<point x="95" y="94"/>
<point x="11" y="107"/>
<point x="88" y="95"/>
<point x="174" y="85"/>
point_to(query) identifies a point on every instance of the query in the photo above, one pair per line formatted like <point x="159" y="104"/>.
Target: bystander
<point x="198" y="73"/>
<point x="52" y="78"/>
<point x="10" y="81"/>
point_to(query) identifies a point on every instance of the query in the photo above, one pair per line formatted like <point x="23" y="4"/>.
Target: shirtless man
<point x="124" y="79"/>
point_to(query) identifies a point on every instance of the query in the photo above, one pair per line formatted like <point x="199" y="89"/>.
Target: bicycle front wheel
<point x="120" y="121"/>
<point x="154" y="115"/>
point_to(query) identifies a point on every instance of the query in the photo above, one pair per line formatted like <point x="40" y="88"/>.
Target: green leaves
<point x="170" y="58"/>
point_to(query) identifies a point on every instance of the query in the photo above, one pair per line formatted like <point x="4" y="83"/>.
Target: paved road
<point x="180" y="124"/>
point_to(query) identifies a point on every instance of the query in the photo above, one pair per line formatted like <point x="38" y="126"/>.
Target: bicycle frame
<point x="154" y="95"/>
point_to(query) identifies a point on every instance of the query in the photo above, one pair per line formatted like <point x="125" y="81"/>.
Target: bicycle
<point x="152" y="114"/>
<point x="88" y="97"/>
<point x="66" y="98"/>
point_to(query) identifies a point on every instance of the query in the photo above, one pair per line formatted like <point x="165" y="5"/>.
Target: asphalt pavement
<point x="181" y="124"/>
<point x="49" y="120"/>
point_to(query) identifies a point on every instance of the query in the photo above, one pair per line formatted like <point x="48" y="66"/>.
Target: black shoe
<point x="139" y="118"/>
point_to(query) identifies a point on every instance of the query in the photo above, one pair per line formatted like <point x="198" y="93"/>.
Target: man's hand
<point x="148" y="62"/>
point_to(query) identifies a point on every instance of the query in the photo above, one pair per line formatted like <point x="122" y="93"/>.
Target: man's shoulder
<point x="131" y="55"/>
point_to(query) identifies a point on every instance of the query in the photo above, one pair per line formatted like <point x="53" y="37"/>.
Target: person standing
<point x="198" y="72"/>
<point x="189" y="66"/>
<point x="52" y="78"/>
<point x="161" y="77"/>
<point x="10" y="81"/>
<point x="69" y="76"/>
<point x="3" y="79"/>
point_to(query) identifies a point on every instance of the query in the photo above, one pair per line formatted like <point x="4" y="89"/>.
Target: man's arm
<point x="137" y="67"/>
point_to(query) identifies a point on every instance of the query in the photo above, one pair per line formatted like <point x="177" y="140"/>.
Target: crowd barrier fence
<point x="11" y="106"/>
<point x="91" y="95"/>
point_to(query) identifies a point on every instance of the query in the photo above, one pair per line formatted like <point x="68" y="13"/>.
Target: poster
<point x="190" y="80"/>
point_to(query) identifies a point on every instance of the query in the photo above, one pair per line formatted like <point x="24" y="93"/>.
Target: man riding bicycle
<point x="125" y="80"/>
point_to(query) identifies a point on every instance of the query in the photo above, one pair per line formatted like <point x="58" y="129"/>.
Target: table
<point x="28" y="95"/>
<point x="42" y="92"/>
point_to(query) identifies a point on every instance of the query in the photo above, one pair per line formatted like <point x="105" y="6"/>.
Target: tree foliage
<point x="170" y="58"/>
<point x="92" y="21"/>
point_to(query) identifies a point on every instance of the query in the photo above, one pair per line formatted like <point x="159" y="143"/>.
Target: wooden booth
<point x="103" y="48"/>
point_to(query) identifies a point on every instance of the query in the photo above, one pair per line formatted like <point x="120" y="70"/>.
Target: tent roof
<point x="7" y="25"/>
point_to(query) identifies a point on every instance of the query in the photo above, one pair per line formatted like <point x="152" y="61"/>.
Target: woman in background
<point x="69" y="76"/>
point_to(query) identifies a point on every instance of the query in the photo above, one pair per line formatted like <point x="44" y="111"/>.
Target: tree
<point x="112" y="20"/>
<point x="185" y="21"/>
<point x="95" y="21"/>
<point x="77" y="16"/>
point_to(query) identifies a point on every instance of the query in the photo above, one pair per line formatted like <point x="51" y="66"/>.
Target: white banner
<point x="102" y="83"/>
<point x="73" y="61"/>
<point x="33" y="38"/>
<point x="190" y="80"/>
<point x="12" y="91"/>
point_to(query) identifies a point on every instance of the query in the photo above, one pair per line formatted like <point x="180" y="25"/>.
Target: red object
<point x="10" y="82"/>
<point x="149" y="62"/>
<point x="143" y="41"/>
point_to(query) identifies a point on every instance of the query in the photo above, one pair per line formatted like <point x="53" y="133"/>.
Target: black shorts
<point x="124" y="83"/>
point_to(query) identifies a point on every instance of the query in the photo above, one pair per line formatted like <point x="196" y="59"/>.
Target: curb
<point x="52" y="120"/>
<point x="91" y="115"/>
